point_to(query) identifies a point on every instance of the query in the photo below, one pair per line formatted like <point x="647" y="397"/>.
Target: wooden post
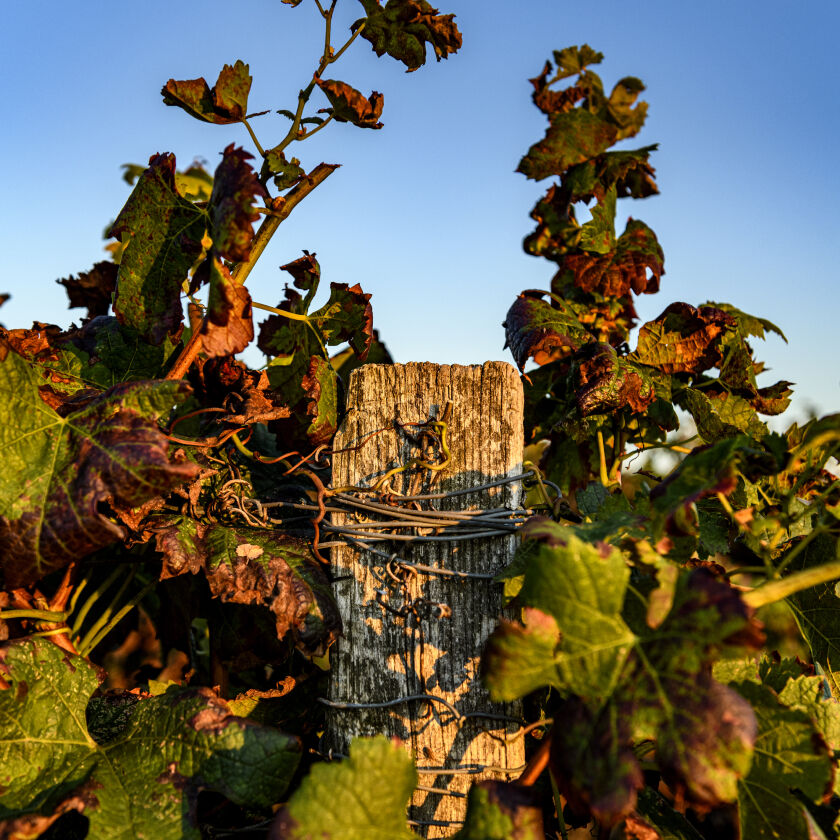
<point x="409" y="634"/>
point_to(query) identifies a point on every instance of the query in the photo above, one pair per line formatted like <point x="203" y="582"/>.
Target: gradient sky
<point x="428" y="214"/>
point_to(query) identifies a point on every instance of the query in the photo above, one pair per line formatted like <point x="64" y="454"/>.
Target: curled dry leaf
<point x="226" y="102"/>
<point x="92" y="289"/>
<point x="261" y="567"/>
<point x="350" y="105"/>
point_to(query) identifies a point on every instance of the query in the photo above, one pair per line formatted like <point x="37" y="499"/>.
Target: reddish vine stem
<point x="280" y="210"/>
<point x="538" y="763"/>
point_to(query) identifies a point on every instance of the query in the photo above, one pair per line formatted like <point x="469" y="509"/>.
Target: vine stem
<point x="263" y="236"/>
<point x="776" y="590"/>
<point x="536" y="765"/>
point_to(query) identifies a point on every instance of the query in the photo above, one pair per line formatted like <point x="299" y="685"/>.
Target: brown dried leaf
<point x="350" y="105"/>
<point x="92" y="289"/>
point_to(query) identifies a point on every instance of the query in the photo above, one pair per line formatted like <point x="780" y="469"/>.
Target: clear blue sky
<point x="428" y="214"/>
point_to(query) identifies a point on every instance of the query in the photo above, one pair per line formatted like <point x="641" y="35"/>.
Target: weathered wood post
<point x="410" y="632"/>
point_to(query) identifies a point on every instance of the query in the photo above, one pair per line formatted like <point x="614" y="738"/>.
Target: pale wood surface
<point x="382" y="656"/>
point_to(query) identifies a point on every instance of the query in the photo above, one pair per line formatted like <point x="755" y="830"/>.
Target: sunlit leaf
<point x="226" y="102"/>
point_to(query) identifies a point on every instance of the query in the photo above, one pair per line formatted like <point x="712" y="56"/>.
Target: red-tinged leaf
<point x="346" y="361"/>
<point x="226" y="102"/>
<point x="229" y="328"/>
<point x="254" y="566"/>
<point x="707" y="471"/>
<point x="232" y="212"/>
<point x="349" y="105"/>
<point x="75" y="471"/>
<point x="305" y="271"/>
<point x="502" y="811"/>
<point x="557" y="230"/>
<point x="162" y="233"/>
<point x="572" y="137"/>
<point x="403" y="28"/>
<point x="607" y="382"/>
<point x="92" y="289"/>
<point x="593" y="761"/>
<point x="320" y="386"/>
<point x="346" y="316"/>
<point x="615" y="274"/>
<point x="554" y="101"/>
<point x="628" y="171"/>
<point x="683" y="339"/>
<point x="774" y="399"/>
<point x="536" y="329"/>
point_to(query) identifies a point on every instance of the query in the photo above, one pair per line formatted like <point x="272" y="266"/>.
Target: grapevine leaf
<point x="143" y="782"/>
<point x="229" y="327"/>
<point x="790" y="755"/>
<point x="92" y="289"/>
<point x="683" y="339"/>
<point x="614" y="274"/>
<point x="256" y="566"/>
<point x="593" y="761"/>
<point x="572" y="60"/>
<point x="774" y="399"/>
<point x="557" y="231"/>
<point x="162" y="233"/>
<point x="748" y="324"/>
<point x="554" y="101"/>
<point x="306" y="275"/>
<point x="719" y="415"/>
<point x="346" y="361"/>
<point x="628" y="171"/>
<point x="502" y="811"/>
<point x="534" y="328"/>
<point x="579" y="589"/>
<point x="705" y="472"/>
<point x="623" y="108"/>
<point x="226" y="102"/>
<point x="361" y="798"/>
<point x="286" y="173"/>
<point x="598" y="235"/>
<point x="403" y="28"/>
<point x="816" y="608"/>
<point x="571" y="138"/>
<point x="346" y="316"/>
<point x="669" y="824"/>
<point x="106" y="454"/>
<point x="320" y="384"/>
<point x="607" y="382"/>
<point x="232" y="214"/>
<point x="349" y="105"/>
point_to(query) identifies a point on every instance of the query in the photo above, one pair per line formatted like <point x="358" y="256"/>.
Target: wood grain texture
<point x="436" y="650"/>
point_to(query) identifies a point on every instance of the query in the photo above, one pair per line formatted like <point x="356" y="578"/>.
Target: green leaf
<point x="719" y="415"/>
<point x="502" y="811"/>
<point x="748" y="324"/>
<point x="789" y="755"/>
<point x="669" y="824"/>
<point x="349" y="105"/>
<point x="226" y="102"/>
<point x="286" y="173"/>
<point x="576" y="588"/>
<point x="361" y="798"/>
<point x="598" y="235"/>
<point x="145" y="776"/>
<point x="573" y="60"/>
<point x="817" y="609"/>
<point x="403" y="28"/>
<point x="259" y="567"/>
<point x="346" y="316"/>
<point x="627" y="171"/>
<point x="162" y="234"/>
<point x="73" y="472"/>
<point x="572" y="137"/>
